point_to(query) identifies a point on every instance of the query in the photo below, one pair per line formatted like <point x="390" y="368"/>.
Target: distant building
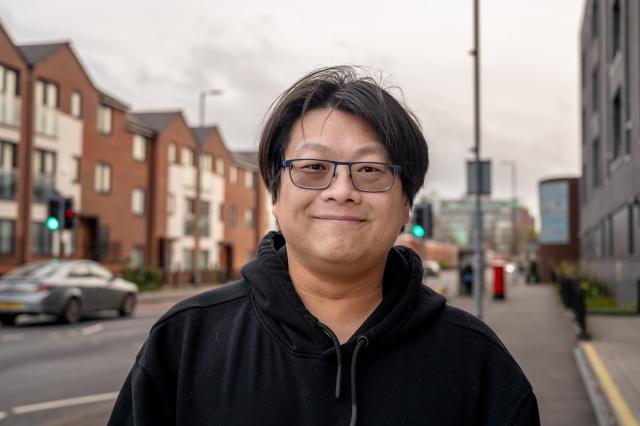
<point x="610" y="128"/>
<point x="454" y="223"/>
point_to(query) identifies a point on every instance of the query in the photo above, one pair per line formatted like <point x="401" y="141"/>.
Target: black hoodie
<point x="251" y="354"/>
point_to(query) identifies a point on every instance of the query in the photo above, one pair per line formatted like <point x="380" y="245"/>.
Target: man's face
<point x="339" y="224"/>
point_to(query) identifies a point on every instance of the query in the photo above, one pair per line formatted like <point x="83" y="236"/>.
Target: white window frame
<point x="139" y="148"/>
<point x="172" y="153"/>
<point x="249" y="180"/>
<point x="138" y="201"/>
<point x="233" y="174"/>
<point x="76" y="104"/>
<point x="102" y="183"/>
<point x="104" y="121"/>
<point x="187" y="157"/>
<point x="220" y="166"/>
<point x="206" y="162"/>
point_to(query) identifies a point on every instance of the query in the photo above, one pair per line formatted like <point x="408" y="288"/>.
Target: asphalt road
<point x="60" y="375"/>
<point x="54" y="374"/>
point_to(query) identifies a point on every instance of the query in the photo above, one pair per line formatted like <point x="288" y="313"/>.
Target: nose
<point x="341" y="188"/>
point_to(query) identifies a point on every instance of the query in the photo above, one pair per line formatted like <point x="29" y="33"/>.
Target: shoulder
<point x="211" y="302"/>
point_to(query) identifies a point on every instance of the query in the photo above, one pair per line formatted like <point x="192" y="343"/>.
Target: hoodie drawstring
<point x="361" y="342"/>
<point x="336" y="345"/>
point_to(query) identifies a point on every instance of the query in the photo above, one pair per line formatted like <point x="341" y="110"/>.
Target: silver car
<point x="65" y="288"/>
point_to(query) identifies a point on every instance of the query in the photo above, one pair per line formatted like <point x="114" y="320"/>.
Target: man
<point x="330" y="324"/>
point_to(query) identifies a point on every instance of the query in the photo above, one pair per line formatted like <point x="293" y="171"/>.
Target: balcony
<point x="43" y="187"/>
<point x="8" y="181"/>
<point x="46" y="121"/>
<point x="10" y="110"/>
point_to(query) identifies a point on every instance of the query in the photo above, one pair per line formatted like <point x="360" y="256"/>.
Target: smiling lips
<point x="346" y="220"/>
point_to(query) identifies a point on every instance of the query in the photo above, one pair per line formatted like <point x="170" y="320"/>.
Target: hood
<point x="406" y="304"/>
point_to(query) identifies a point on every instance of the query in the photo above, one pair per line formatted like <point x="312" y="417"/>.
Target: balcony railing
<point x="10" y="110"/>
<point x="43" y="187"/>
<point x="46" y="121"/>
<point x="8" y="181"/>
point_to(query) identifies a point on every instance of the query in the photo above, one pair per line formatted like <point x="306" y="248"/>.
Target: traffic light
<point x="53" y="214"/>
<point x="422" y="221"/>
<point x="69" y="214"/>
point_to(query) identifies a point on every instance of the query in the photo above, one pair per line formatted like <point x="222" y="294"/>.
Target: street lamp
<point x="514" y="204"/>
<point x="197" y="275"/>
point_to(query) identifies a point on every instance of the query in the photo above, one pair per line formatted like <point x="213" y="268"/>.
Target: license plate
<point x="11" y="305"/>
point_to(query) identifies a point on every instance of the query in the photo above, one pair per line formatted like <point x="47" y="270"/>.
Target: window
<point x="138" y="201"/>
<point x="139" y="148"/>
<point x="249" y="218"/>
<point x="233" y="174"/>
<point x="615" y="28"/>
<point x="617" y="126"/>
<point x="220" y="166"/>
<point x="46" y="100"/>
<point x="8" y="176"/>
<point x="104" y="123"/>
<point x="595" y="158"/>
<point x="172" y="153"/>
<point x="627" y="75"/>
<point x="41" y="241"/>
<point x="233" y="216"/>
<point x="103" y="178"/>
<point x="76" y="169"/>
<point x="205" y="211"/>
<point x="6" y="236"/>
<point x="203" y="259"/>
<point x="171" y="204"/>
<point x="206" y="162"/>
<point x="103" y="241"/>
<point x="187" y="259"/>
<point x="189" y="217"/>
<point x="137" y="257"/>
<point x="44" y="171"/>
<point x="187" y="157"/>
<point x="76" y="104"/>
<point x="595" y="87"/>
<point x="9" y="92"/>
<point x="594" y="19"/>
<point x="249" y="179"/>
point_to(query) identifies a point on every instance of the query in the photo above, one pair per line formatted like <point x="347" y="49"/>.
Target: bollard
<point x="498" y="281"/>
<point x="580" y="310"/>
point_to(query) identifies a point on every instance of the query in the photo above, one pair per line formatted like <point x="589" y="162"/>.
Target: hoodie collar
<point x="406" y="303"/>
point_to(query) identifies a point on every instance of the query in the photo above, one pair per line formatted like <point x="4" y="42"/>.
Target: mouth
<point x="341" y="220"/>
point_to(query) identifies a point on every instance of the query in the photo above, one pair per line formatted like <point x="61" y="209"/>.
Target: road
<point x="54" y="374"/>
<point x="69" y="375"/>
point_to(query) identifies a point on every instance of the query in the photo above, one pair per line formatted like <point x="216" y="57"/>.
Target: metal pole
<point x="514" y="208"/>
<point x="478" y="270"/>
<point x="197" y="277"/>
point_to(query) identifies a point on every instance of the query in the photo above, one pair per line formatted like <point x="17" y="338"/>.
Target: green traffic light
<point x="52" y="224"/>
<point x="418" y="231"/>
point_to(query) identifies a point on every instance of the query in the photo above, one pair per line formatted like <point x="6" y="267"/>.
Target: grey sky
<point x="160" y="54"/>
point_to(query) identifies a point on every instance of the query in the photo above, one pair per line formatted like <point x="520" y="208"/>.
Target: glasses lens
<point x="311" y="174"/>
<point x="372" y="177"/>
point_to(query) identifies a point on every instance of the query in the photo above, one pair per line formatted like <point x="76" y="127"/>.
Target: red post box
<point x="498" y="281"/>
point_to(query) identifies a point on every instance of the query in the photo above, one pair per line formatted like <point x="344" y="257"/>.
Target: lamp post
<point x="197" y="275"/>
<point x="514" y="205"/>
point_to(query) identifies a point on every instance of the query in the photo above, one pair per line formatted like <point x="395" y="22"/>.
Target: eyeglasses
<point x="366" y="176"/>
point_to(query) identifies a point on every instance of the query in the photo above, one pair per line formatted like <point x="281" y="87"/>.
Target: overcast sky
<point x="156" y="54"/>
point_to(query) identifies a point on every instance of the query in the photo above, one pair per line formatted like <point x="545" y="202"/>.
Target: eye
<point x="371" y="168"/>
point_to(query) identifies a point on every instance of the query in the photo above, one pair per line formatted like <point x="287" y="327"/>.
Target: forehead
<point x="333" y="132"/>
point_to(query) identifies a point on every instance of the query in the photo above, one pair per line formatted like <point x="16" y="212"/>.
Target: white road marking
<point x="3" y="415"/>
<point x="41" y="406"/>
<point x="92" y="329"/>
<point x="12" y="337"/>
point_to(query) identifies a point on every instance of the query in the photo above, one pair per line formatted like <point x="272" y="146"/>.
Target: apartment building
<point x="146" y="187"/>
<point x="610" y="145"/>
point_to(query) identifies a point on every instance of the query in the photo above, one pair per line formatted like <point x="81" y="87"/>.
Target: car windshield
<point x="33" y="270"/>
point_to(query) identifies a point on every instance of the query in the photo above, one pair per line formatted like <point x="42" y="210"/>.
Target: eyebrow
<point x="369" y="149"/>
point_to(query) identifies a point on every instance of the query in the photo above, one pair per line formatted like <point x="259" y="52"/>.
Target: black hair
<point x="343" y="88"/>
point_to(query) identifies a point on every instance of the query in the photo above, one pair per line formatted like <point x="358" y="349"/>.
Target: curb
<point x="608" y="403"/>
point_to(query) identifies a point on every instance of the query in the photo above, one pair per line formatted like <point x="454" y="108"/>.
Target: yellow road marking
<point x="619" y="405"/>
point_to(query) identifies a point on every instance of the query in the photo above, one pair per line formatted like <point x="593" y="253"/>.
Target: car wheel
<point x="8" y="319"/>
<point x="128" y="305"/>
<point x="72" y="312"/>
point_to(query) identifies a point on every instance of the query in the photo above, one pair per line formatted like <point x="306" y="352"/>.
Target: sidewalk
<point x="612" y="368"/>
<point x="532" y="324"/>
<point x="173" y="294"/>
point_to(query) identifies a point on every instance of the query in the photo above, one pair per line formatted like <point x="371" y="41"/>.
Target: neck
<point x="342" y="303"/>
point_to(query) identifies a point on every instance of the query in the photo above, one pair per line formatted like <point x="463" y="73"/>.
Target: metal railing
<point x="8" y="182"/>
<point x="43" y="187"/>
